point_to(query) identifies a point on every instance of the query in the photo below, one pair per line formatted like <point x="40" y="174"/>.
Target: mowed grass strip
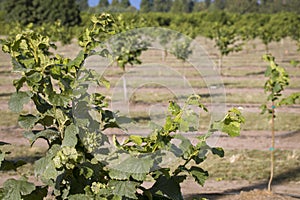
<point x="253" y="121"/>
<point x="253" y="165"/>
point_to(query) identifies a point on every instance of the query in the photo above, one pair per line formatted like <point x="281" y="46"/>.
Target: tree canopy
<point x="41" y="11"/>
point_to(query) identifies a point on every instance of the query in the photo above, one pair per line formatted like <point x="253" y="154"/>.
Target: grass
<point x="283" y="122"/>
<point x="253" y="121"/>
<point x="148" y="97"/>
<point x="253" y="165"/>
<point x="8" y="118"/>
<point x="21" y="155"/>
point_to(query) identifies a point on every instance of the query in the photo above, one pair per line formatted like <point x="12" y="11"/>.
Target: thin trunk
<point x="272" y="149"/>
<point x="220" y="64"/>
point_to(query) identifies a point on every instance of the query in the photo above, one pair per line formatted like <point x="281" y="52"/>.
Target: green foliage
<point x="146" y="6"/>
<point x="38" y="11"/>
<point x="278" y="78"/>
<point x="162" y="5"/>
<point x="226" y="40"/>
<point x="81" y="162"/>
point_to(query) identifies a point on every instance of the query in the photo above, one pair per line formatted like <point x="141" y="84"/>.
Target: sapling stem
<point x="272" y="148"/>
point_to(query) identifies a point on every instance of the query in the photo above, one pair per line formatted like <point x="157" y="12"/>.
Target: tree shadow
<point x="5" y="94"/>
<point x="255" y="73"/>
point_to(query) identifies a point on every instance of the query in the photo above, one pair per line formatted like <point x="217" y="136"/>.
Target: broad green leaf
<point x="59" y="99"/>
<point x="49" y="134"/>
<point x="35" y="77"/>
<point x="45" y="168"/>
<point x="136" y="139"/>
<point x="231" y="124"/>
<point x="231" y="128"/>
<point x="18" y="99"/>
<point x="185" y="146"/>
<point x="15" y="189"/>
<point x="123" y="188"/>
<point x="218" y="151"/>
<point x="125" y="165"/>
<point x="70" y="137"/>
<point x="199" y="174"/>
<point x="169" y="186"/>
<point x="38" y="194"/>
<point x="27" y="121"/>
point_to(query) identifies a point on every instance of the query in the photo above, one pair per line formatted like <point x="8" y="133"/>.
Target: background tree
<point x="182" y="6"/>
<point x="115" y="3"/>
<point x="146" y="5"/>
<point x="18" y="11"/>
<point x="294" y="5"/>
<point x="207" y="3"/>
<point x="219" y="4"/>
<point x="43" y="11"/>
<point x="125" y="4"/>
<point x="162" y="5"/>
<point x="241" y="6"/>
<point x="103" y="4"/>
<point x="199" y="6"/>
<point x="82" y="4"/>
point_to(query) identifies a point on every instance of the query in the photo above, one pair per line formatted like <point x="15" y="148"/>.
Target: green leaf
<point x="196" y="100"/>
<point x="232" y="128"/>
<point x="27" y="121"/>
<point x="290" y="100"/>
<point x="136" y="139"/>
<point x="80" y="197"/>
<point x="45" y="168"/>
<point x="48" y="134"/>
<point x="185" y="146"/>
<point x="231" y="124"/>
<point x="15" y="189"/>
<point x="70" y="137"/>
<point x="126" y="165"/>
<point x="59" y="99"/>
<point x="169" y="186"/>
<point x="174" y="108"/>
<point x="38" y="194"/>
<point x="19" y="83"/>
<point x="18" y="99"/>
<point x="218" y="151"/>
<point x="35" y="77"/>
<point x="199" y="174"/>
<point x="123" y="188"/>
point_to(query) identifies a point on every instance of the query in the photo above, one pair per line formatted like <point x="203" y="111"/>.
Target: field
<point x="245" y="166"/>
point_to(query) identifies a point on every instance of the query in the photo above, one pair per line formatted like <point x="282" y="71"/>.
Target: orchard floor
<point x="213" y="189"/>
<point x="243" y="79"/>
